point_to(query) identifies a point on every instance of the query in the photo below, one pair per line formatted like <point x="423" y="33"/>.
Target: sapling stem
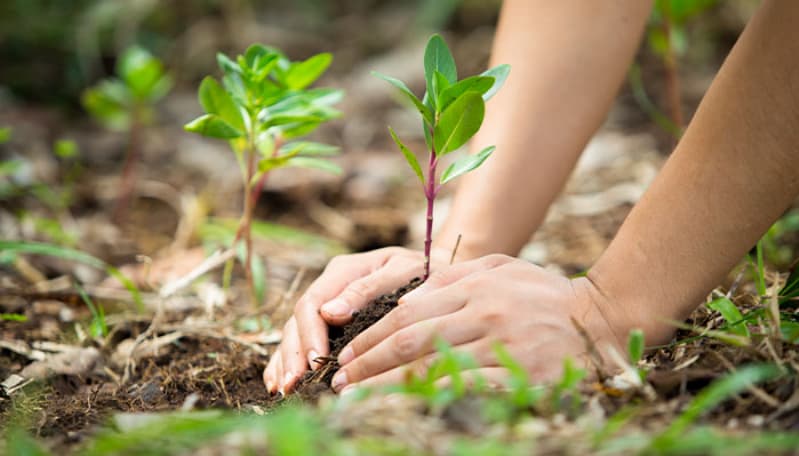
<point x="129" y="168"/>
<point x="430" y="194"/>
<point x="452" y="112"/>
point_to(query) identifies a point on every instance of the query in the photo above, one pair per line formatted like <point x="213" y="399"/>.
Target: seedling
<point x="125" y="103"/>
<point x="452" y="112"/>
<point x="264" y="101"/>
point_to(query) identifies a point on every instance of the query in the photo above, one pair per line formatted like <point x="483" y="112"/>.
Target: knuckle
<point x="362" y="289"/>
<point x="400" y="316"/>
<point x="404" y="345"/>
<point x="496" y="259"/>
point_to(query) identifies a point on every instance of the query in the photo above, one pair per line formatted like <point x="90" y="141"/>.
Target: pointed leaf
<point x="214" y="127"/>
<point x="465" y="164"/>
<point x="500" y="74"/>
<point x="459" y="122"/>
<point x="437" y="57"/>
<point x="313" y="162"/>
<point x="228" y="66"/>
<point x="308" y="148"/>
<point x="303" y="74"/>
<point x="479" y="84"/>
<point x="635" y="345"/>
<point x="215" y="100"/>
<point x="409" y="156"/>
<point x="731" y="315"/>
<point x="423" y="110"/>
<point x="440" y="83"/>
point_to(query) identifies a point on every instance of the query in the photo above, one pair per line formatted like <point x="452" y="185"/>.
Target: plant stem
<point x="244" y="231"/>
<point x="129" y="168"/>
<point x="429" y="193"/>
<point x="673" y="89"/>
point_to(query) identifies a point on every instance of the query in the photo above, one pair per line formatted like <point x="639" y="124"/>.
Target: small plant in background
<point x="667" y="38"/>
<point x="452" y="112"/>
<point x="264" y="101"/>
<point x="125" y="103"/>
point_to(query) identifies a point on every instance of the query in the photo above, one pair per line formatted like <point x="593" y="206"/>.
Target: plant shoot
<point x="262" y="102"/>
<point x="452" y="111"/>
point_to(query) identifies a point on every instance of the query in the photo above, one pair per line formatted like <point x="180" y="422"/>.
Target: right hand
<point x="348" y="283"/>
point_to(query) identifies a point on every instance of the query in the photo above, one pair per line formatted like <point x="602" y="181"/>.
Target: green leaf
<point x="500" y="74"/>
<point x="5" y="134"/>
<point x="65" y="148"/>
<point x="423" y="110"/>
<point x="313" y="162"/>
<point x="409" y="156"/>
<point x="109" y="103"/>
<point x="440" y="83"/>
<point x="303" y="74"/>
<point x="731" y="315"/>
<point x="13" y="317"/>
<point x="465" y="164"/>
<point x="714" y="394"/>
<point x="143" y="73"/>
<point x="216" y="100"/>
<point x="790" y="292"/>
<point x="214" y="127"/>
<point x="437" y="57"/>
<point x="635" y="345"/>
<point x="228" y="66"/>
<point x="459" y="122"/>
<point x="479" y="84"/>
<point x="307" y="149"/>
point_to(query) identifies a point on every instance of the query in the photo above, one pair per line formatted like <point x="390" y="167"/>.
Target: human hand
<point x="473" y="305"/>
<point x="348" y="283"/>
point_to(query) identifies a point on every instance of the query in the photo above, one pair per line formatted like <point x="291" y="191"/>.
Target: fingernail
<point x="337" y="308"/>
<point x="339" y="380"/>
<point x="312" y="355"/>
<point x="346" y="356"/>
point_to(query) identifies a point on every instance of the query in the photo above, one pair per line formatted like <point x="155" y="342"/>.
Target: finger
<point x="276" y="364"/>
<point x="484" y="377"/>
<point x="449" y="275"/>
<point x="293" y="360"/>
<point x="479" y="350"/>
<point x="446" y="301"/>
<point x="337" y="275"/>
<point x="408" y="345"/>
<point x="269" y="373"/>
<point x="362" y="291"/>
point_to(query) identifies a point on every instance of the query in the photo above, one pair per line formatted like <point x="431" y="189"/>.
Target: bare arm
<point x="568" y="59"/>
<point x="731" y="176"/>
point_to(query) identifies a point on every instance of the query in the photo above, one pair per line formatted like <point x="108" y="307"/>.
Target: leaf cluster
<point x="452" y="110"/>
<point x="263" y="99"/>
<point x="118" y="102"/>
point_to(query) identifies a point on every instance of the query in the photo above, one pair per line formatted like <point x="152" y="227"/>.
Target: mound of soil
<point x="317" y="382"/>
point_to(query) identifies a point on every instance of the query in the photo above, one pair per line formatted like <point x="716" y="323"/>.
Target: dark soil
<point x="317" y="382"/>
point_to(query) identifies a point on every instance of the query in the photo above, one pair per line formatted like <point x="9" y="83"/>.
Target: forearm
<point x="731" y="176"/>
<point x="568" y="60"/>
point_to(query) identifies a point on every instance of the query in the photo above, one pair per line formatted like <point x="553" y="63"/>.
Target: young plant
<point x="262" y="102"/>
<point x="125" y="103"/>
<point x="452" y="112"/>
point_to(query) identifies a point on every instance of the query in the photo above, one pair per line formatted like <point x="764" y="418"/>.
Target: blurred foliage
<point x="52" y="49"/>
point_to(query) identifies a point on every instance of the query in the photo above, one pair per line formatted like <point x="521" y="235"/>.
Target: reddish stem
<point x="128" y="169"/>
<point x="430" y="193"/>
<point x="673" y="90"/>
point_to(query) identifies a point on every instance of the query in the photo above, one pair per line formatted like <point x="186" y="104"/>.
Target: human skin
<point x="566" y="69"/>
<point x="732" y="174"/>
<point x="727" y="181"/>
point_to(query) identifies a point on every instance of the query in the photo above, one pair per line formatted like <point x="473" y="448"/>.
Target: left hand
<point x="473" y="305"/>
